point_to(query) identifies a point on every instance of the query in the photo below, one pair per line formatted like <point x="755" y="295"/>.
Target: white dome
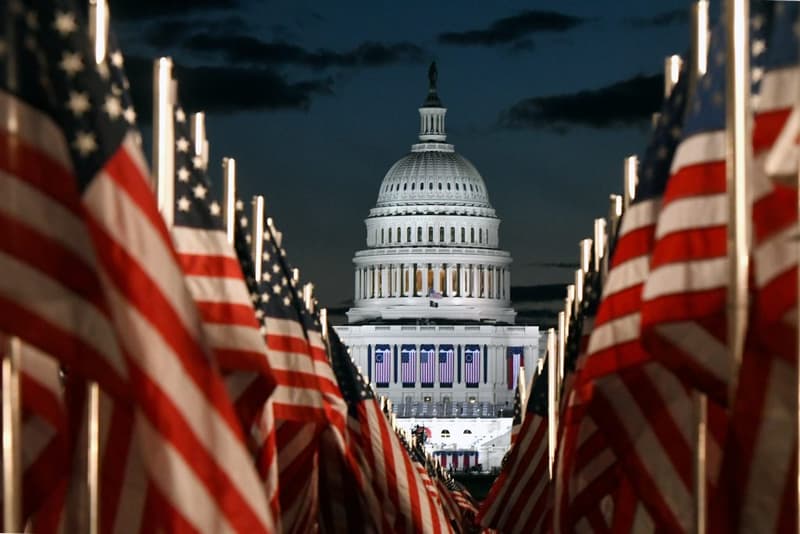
<point x="433" y="173"/>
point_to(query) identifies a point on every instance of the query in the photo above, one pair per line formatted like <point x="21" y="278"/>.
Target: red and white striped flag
<point x="93" y="264"/>
<point x="760" y="463"/>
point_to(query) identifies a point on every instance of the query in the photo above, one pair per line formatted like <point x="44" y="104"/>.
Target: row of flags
<point x="650" y="391"/>
<point x="226" y="402"/>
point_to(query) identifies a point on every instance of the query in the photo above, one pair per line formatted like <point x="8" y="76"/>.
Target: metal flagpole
<point x="614" y="216"/>
<point x="257" y="238"/>
<point x="229" y="197"/>
<point x="700" y="49"/>
<point x="12" y="451"/>
<point x="737" y="162"/>
<point x="552" y="407"/>
<point x="631" y="180"/>
<point x="198" y="127"/>
<point x="164" y="137"/>
<point x="98" y="29"/>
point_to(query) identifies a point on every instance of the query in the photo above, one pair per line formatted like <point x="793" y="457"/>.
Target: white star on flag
<point x="183" y="174"/>
<point x="78" y="103"/>
<point x="65" y="23"/>
<point x="85" y="143"/>
<point x="113" y="107"/>
<point x="183" y="204"/>
<point x="215" y="208"/>
<point x="199" y="191"/>
<point x="182" y="144"/>
<point x="71" y="63"/>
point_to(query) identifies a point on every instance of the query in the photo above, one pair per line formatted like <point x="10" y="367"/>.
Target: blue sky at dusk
<point x="317" y="100"/>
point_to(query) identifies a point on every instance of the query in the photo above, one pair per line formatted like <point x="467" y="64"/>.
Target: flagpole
<point x="229" y="198"/>
<point x="700" y="400"/>
<point x="631" y="180"/>
<point x="98" y="29"/>
<point x="257" y="229"/>
<point x="12" y="451"/>
<point x="198" y="130"/>
<point x="552" y="408"/>
<point x="164" y="137"/>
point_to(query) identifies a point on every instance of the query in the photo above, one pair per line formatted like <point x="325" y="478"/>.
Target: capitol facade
<point x="432" y="325"/>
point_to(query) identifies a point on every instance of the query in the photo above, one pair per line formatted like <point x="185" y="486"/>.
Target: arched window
<point x="430" y="234"/>
<point x="390" y="235"/>
<point x="440" y="186"/>
<point x="405" y="186"/>
<point x="419" y="234"/>
<point x="448" y="186"/>
<point x="452" y="235"/>
<point x="480" y="235"/>
<point x="472" y="235"/>
<point x="381" y="236"/>
<point x="398" y="234"/>
<point x="462" y="235"/>
<point x="467" y="431"/>
<point x="445" y="433"/>
<point x="430" y="186"/>
<point x="412" y="186"/>
<point x="408" y="234"/>
<point x="441" y="234"/>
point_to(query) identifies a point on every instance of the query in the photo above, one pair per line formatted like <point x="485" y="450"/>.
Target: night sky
<point x="317" y="100"/>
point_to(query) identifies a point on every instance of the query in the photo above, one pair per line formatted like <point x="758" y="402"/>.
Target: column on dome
<point x="423" y="269"/>
<point x="437" y="277"/>
<point x="395" y="280"/>
<point x="449" y="275"/>
<point x="367" y="283"/>
<point x="508" y="284"/>
<point x="464" y="280"/>
<point x="485" y="282"/>
<point x="376" y="281"/>
<point x="357" y="285"/>
<point x="496" y="280"/>
<point x="385" y="281"/>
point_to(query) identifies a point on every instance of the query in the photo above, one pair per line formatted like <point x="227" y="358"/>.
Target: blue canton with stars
<point x="351" y="383"/>
<point x="783" y="45"/>
<point x="194" y="205"/>
<point x="47" y="59"/>
<point x="274" y="295"/>
<point x="537" y="402"/>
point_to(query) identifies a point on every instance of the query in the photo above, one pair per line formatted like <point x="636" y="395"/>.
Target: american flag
<point x="683" y="319"/>
<point x="516" y="423"/>
<point x="472" y="365"/>
<point x="427" y="365"/>
<point x="383" y="365"/>
<point x="514" y="359"/>
<point x="306" y="400"/>
<point x="644" y="411"/>
<point x="447" y="361"/>
<point x="46" y="436"/>
<point x="519" y="496"/>
<point x="215" y="279"/>
<point x="401" y="502"/>
<point x="761" y="454"/>
<point x="84" y="230"/>
<point x="408" y="365"/>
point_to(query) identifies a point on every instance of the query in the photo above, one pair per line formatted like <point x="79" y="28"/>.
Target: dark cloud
<point x="667" y="18"/>
<point x="253" y="51"/>
<point x="171" y="32"/>
<point x="510" y="29"/>
<point x="146" y="9"/>
<point x="538" y="293"/>
<point x="624" y="103"/>
<point x="225" y="89"/>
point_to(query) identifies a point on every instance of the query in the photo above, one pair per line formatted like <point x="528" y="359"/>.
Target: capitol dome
<point x="433" y="173"/>
<point x="433" y="237"/>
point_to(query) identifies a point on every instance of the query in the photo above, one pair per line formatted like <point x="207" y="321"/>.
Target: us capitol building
<point x="432" y="325"/>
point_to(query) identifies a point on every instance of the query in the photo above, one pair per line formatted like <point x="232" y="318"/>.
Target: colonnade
<point x="432" y="279"/>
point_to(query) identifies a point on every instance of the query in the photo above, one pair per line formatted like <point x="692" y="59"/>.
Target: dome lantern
<point x="431" y="114"/>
